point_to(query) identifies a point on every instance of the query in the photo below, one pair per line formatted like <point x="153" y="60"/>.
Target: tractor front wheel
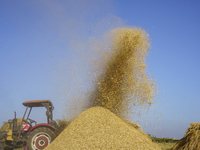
<point x="40" y="138"/>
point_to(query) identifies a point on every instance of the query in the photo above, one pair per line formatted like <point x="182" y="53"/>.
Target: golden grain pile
<point x="98" y="128"/>
<point x="124" y="81"/>
<point x="191" y="140"/>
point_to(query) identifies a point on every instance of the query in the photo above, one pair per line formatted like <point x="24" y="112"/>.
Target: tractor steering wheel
<point x="32" y="121"/>
<point x="24" y="120"/>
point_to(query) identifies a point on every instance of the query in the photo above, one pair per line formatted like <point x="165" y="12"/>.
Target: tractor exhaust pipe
<point x="15" y="124"/>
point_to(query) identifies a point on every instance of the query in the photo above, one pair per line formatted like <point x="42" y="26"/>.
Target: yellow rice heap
<point x="98" y="128"/>
<point x="191" y="140"/>
<point x="124" y="82"/>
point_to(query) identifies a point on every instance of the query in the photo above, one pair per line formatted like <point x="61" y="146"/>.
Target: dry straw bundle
<point x="191" y="141"/>
<point x="98" y="128"/>
<point x="6" y="125"/>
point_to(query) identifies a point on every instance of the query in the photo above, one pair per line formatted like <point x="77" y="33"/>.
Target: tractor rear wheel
<point x="40" y="138"/>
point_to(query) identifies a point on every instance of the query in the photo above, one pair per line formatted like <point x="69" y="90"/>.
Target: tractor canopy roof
<point x="37" y="103"/>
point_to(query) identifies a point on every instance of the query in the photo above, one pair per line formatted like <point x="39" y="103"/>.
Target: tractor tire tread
<point x="38" y="130"/>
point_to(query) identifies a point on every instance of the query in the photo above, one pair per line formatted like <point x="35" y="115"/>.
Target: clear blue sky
<point x="42" y="52"/>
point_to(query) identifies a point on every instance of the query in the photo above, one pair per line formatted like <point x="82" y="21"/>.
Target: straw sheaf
<point x="191" y="140"/>
<point x="98" y="128"/>
<point x="6" y="125"/>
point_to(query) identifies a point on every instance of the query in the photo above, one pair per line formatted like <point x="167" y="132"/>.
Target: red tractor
<point x="29" y="134"/>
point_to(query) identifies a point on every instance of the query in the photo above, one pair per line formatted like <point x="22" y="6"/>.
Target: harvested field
<point x="165" y="146"/>
<point x="98" y="128"/>
<point x="191" y="140"/>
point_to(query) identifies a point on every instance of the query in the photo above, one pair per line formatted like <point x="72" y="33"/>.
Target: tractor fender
<point x="44" y="125"/>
